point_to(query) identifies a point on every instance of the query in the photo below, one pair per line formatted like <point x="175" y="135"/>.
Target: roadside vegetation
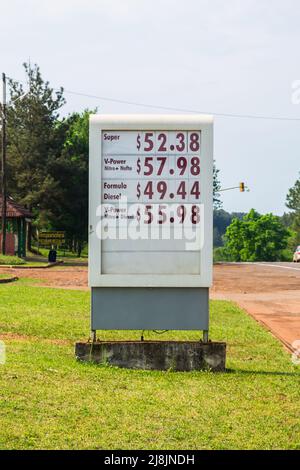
<point x="292" y="219"/>
<point x="256" y="237"/>
<point x="100" y="407"/>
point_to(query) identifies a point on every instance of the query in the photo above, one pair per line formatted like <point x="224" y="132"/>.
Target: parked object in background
<point x="296" y="257"/>
<point x="52" y="256"/>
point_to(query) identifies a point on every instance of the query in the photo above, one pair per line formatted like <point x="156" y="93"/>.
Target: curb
<point x="21" y="266"/>
<point x="9" y="279"/>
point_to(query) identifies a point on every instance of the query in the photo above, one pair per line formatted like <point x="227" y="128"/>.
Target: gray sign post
<point x="150" y="239"/>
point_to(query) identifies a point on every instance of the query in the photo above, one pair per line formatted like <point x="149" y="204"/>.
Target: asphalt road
<point x="270" y="292"/>
<point x="292" y="266"/>
<point x="281" y="264"/>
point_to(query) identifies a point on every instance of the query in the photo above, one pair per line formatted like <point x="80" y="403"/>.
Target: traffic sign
<point x="56" y="238"/>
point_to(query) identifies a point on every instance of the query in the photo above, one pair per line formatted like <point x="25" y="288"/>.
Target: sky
<point x="239" y="57"/>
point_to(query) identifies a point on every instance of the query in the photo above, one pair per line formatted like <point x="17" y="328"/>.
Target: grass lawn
<point x="9" y="260"/>
<point x="15" y="261"/>
<point x="48" y="400"/>
<point x="64" y="255"/>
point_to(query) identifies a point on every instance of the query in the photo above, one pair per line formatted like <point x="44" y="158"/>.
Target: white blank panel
<point x="148" y="263"/>
<point x="160" y="167"/>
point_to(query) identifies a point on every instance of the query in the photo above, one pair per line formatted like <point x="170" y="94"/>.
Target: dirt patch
<point x="17" y="337"/>
<point x="63" y="277"/>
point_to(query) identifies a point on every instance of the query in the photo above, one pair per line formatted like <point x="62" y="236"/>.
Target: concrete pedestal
<point x="155" y="355"/>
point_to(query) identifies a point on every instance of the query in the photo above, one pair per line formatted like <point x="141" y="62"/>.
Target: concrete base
<point x="155" y="355"/>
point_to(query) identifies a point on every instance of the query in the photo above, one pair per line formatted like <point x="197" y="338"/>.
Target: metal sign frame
<point x="101" y="123"/>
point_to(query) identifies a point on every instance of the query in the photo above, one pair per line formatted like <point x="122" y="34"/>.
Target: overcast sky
<point x="216" y="56"/>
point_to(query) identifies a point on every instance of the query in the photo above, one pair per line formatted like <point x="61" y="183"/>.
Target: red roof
<point x="14" y="210"/>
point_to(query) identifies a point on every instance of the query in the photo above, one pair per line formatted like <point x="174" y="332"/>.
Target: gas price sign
<point x="153" y="168"/>
<point x="150" y="201"/>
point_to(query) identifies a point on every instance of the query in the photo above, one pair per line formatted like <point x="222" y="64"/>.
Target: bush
<point x="220" y="254"/>
<point x="286" y="255"/>
<point x="256" y="238"/>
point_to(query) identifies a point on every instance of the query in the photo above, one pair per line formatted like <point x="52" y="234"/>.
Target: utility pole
<point x="3" y="166"/>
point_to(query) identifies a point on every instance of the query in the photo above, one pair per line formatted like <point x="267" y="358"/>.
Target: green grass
<point x="48" y="400"/>
<point x="36" y="264"/>
<point x="8" y="260"/>
<point x="65" y="254"/>
<point x="15" y="261"/>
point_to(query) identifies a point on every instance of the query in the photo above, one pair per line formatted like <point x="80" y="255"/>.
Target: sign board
<point x="150" y="214"/>
<point x="51" y="238"/>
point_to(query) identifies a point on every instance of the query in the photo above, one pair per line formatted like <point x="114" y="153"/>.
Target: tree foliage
<point x="48" y="157"/>
<point x="216" y="188"/>
<point x="293" y="197"/>
<point x="33" y="138"/>
<point x="70" y="209"/>
<point x="256" y="238"/>
<point x="293" y="203"/>
<point x="222" y="220"/>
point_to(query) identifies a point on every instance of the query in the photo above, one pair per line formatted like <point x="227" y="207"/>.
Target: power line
<point x="170" y="108"/>
<point x="182" y="110"/>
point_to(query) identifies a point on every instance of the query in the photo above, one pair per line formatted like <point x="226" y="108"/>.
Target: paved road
<point x="292" y="266"/>
<point x="284" y="265"/>
<point x="270" y="292"/>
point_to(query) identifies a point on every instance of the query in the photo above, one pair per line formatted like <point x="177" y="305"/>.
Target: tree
<point x="69" y="211"/>
<point x="293" y="203"/>
<point x="34" y="140"/>
<point x="293" y="197"/>
<point x="256" y="238"/>
<point x="222" y="220"/>
<point x="216" y="188"/>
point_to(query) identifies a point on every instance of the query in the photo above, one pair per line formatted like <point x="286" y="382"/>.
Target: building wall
<point x="15" y="237"/>
<point x="9" y="243"/>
